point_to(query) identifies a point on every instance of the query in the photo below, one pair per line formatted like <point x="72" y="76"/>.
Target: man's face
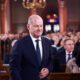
<point x="69" y="45"/>
<point x="36" y="28"/>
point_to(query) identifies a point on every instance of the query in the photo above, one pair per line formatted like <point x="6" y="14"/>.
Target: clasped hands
<point x="43" y="73"/>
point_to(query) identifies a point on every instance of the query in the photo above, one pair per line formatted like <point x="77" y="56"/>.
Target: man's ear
<point x="28" y="26"/>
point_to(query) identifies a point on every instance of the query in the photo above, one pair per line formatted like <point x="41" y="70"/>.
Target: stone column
<point x="62" y="15"/>
<point x="5" y="16"/>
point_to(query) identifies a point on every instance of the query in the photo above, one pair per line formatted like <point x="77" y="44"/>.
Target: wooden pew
<point x="64" y="76"/>
<point x="4" y="72"/>
<point x="4" y="76"/>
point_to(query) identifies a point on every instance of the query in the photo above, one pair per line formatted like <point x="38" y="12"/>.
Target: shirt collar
<point x="68" y="52"/>
<point x="33" y="38"/>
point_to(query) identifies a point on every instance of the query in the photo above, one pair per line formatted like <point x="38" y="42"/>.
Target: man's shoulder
<point x="24" y="39"/>
<point x="61" y="50"/>
<point x="45" y="39"/>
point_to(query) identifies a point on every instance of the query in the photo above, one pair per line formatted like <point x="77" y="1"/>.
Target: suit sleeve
<point x="15" y="62"/>
<point x="50" y="65"/>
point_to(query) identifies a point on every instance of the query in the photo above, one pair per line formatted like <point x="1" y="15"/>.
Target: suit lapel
<point x="44" y="49"/>
<point x="32" y="51"/>
<point x="63" y="57"/>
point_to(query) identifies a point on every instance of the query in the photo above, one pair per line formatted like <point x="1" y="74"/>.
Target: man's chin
<point x="37" y="36"/>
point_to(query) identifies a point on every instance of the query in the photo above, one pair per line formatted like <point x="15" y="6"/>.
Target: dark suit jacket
<point x="59" y="60"/>
<point x="77" y="49"/>
<point x="23" y="63"/>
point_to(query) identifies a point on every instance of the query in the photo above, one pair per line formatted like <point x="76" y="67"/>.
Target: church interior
<point x="61" y="18"/>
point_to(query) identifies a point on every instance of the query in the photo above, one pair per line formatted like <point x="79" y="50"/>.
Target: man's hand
<point x="43" y="73"/>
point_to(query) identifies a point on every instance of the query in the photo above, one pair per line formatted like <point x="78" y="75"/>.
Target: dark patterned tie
<point x="38" y="52"/>
<point x="69" y="57"/>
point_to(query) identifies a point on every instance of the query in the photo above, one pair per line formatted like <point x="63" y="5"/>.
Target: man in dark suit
<point x="31" y="56"/>
<point x="64" y="54"/>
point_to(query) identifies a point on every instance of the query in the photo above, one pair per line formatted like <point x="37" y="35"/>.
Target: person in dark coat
<point x="28" y="61"/>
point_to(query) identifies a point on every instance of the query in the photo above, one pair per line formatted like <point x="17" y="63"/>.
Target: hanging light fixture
<point x="34" y="4"/>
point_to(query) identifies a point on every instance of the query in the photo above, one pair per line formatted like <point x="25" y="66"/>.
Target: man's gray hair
<point x="32" y="19"/>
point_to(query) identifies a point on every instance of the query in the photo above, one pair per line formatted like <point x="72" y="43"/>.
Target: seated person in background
<point x="64" y="55"/>
<point x="74" y="64"/>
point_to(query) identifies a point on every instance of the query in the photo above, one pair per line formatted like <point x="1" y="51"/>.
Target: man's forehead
<point x="37" y="21"/>
<point x="70" y="41"/>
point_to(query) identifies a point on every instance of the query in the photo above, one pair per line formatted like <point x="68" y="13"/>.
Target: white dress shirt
<point x="40" y="44"/>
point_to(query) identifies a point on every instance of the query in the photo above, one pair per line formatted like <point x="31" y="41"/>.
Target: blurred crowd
<point x="57" y="41"/>
<point x="6" y="43"/>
